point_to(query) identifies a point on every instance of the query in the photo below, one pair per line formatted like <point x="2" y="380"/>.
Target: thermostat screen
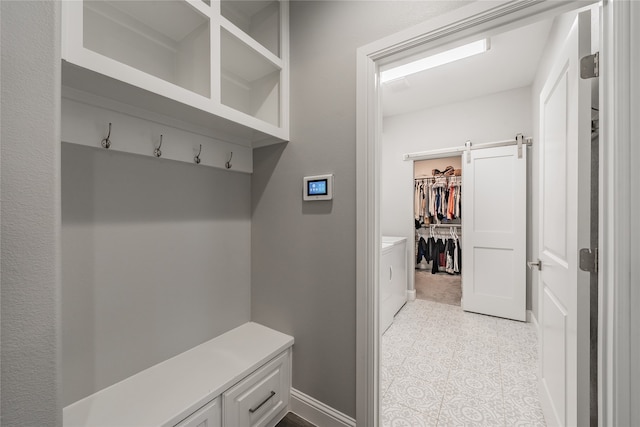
<point x="317" y="187"/>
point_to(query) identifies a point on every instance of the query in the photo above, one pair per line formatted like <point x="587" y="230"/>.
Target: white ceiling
<point x="510" y="63"/>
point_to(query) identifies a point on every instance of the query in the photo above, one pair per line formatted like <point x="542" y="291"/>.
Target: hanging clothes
<point x="439" y="258"/>
<point x="434" y="261"/>
<point x="449" y="252"/>
<point x="452" y="203"/>
<point x="432" y="199"/>
<point x="443" y="199"/>
<point x="422" y="250"/>
<point x="424" y="200"/>
<point x="445" y="254"/>
<point x="457" y="258"/>
<point x="416" y="200"/>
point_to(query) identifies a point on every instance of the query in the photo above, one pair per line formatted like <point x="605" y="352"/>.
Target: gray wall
<point x="634" y="232"/>
<point x="304" y="254"/>
<point x="155" y="260"/>
<point x="30" y="213"/>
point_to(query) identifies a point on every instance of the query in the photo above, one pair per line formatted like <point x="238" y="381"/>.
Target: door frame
<point x="616" y="197"/>
<point x="444" y="153"/>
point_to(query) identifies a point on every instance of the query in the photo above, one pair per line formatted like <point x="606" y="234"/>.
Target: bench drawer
<point x="256" y="400"/>
<point x="210" y="415"/>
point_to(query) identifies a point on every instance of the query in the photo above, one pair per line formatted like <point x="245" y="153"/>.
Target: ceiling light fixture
<point x="436" y="60"/>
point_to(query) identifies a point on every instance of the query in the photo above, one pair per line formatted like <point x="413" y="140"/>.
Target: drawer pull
<point x="252" y="410"/>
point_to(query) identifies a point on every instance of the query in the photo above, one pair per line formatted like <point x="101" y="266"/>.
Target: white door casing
<point x="494" y="222"/>
<point x="617" y="124"/>
<point x="565" y="102"/>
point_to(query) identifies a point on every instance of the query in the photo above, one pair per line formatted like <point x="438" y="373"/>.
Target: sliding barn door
<point x="494" y="192"/>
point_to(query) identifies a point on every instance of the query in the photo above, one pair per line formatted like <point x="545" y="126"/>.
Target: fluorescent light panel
<point x="436" y="60"/>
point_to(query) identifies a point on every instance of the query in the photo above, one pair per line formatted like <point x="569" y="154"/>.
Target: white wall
<point x="30" y="212"/>
<point x="495" y="117"/>
<point x="304" y="254"/>
<point x="155" y="260"/>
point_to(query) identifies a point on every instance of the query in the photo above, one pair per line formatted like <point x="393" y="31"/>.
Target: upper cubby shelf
<point x="260" y="20"/>
<point x="218" y="64"/>
<point x="250" y="82"/>
<point x="167" y="39"/>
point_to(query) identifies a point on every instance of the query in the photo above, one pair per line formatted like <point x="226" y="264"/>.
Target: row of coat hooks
<point x="106" y="144"/>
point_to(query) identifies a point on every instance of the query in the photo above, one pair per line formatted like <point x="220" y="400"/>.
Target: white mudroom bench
<point x="240" y="378"/>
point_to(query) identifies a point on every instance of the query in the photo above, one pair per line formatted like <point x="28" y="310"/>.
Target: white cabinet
<point x="258" y="398"/>
<point x="222" y="65"/>
<point x="227" y="381"/>
<point x="393" y="279"/>
<point x="208" y="416"/>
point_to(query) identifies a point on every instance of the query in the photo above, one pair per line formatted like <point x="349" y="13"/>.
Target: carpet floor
<point x="441" y="287"/>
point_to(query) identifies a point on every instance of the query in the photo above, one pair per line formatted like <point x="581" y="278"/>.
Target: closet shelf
<point x="76" y="79"/>
<point x="258" y="20"/>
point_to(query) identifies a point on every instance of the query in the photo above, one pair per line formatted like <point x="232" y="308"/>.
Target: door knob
<point x="537" y="264"/>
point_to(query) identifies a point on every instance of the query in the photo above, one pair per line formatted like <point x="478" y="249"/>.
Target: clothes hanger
<point x="454" y="233"/>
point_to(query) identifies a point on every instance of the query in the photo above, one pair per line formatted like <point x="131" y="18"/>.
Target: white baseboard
<point x="411" y="294"/>
<point x="317" y="412"/>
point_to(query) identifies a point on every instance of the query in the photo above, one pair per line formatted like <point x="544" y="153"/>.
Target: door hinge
<point x="590" y="66"/>
<point x="589" y="260"/>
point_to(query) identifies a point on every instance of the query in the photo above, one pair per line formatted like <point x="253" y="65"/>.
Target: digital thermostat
<point x="319" y="187"/>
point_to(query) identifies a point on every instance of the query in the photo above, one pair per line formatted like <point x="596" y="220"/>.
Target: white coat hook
<point x="228" y="164"/>
<point x="157" y="151"/>
<point x="106" y="143"/>
<point x="197" y="158"/>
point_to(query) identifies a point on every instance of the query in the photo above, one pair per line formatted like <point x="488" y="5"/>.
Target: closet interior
<point x="438" y="224"/>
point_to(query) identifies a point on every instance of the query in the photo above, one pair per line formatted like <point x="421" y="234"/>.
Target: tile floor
<point x="441" y="366"/>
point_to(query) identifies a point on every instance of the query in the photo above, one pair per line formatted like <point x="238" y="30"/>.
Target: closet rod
<point x="435" y="154"/>
<point x="437" y="177"/>
<point x="443" y="225"/>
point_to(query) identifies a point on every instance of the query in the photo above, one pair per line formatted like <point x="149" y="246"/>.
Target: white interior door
<point x="565" y="103"/>
<point x="494" y="198"/>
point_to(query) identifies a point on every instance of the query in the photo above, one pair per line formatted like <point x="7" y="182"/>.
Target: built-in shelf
<point x="260" y="20"/>
<point x="169" y="40"/>
<point x="218" y="65"/>
<point x="250" y="82"/>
